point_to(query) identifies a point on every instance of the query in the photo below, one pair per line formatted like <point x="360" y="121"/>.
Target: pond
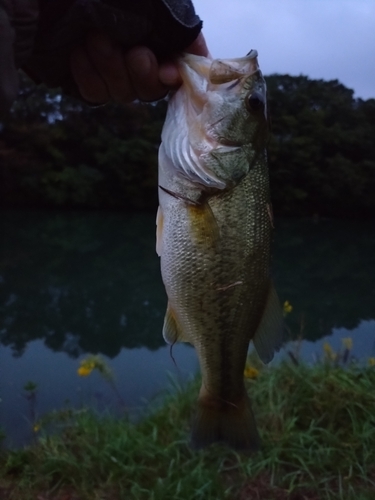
<point x="79" y="283"/>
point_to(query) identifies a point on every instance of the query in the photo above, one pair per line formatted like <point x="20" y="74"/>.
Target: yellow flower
<point x="91" y="363"/>
<point x="371" y="361"/>
<point x="84" y="371"/>
<point x="87" y="366"/>
<point x="36" y="427"/>
<point x="250" y="372"/>
<point x="347" y="343"/>
<point x="287" y="307"/>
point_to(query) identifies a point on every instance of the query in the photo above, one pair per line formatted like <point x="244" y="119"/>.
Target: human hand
<point x="103" y="72"/>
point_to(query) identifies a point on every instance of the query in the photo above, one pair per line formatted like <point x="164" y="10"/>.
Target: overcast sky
<point x="327" y="39"/>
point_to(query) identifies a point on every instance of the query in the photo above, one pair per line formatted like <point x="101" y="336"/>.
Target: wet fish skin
<point x="214" y="235"/>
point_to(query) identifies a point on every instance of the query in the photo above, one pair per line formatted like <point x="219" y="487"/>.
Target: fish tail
<point x="221" y="421"/>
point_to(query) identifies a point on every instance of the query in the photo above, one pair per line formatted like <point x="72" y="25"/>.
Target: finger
<point x="107" y="59"/>
<point x="169" y="74"/>
<point x="143" y="70"/>
<point x="90" y="85"/>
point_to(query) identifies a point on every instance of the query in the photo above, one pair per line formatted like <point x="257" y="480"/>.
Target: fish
<point x="213" y="237"/>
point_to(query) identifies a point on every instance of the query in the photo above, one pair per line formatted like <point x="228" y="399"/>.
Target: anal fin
<point x="269" y="336"/>
<point x="172" y="333"/>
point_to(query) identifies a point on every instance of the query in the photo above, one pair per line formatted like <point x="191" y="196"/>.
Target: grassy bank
<point x="317" y="424"/>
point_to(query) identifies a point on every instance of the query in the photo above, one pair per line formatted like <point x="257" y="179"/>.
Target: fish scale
<point x="214" y="239"/>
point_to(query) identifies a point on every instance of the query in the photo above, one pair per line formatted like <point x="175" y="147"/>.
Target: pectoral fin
<point x="269" y="336"/>
<point x="204" y="226"/>
<point x="172" y="333"/>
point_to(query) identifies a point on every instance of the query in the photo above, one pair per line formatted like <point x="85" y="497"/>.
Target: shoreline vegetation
<point x="317" y="424"/>
<point x="56" y="152"/>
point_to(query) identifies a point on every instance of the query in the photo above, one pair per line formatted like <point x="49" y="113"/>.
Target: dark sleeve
<point x="165" y="26"/>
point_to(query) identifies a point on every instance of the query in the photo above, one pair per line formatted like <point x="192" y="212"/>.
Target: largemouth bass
<point x="214" y="228"/>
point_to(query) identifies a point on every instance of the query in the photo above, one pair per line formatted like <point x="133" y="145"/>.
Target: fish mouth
<point x="200" y="75"/>
<point x="228" y="70"/>
<point x="198" y="70"/>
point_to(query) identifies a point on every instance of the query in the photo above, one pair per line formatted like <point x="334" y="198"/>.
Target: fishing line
<point x="171" y="355"/>
<point x="219" y="398"/>
<point x="179" y="372"/>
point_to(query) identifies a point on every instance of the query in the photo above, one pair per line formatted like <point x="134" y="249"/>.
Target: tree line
<point x="58" y="152"/>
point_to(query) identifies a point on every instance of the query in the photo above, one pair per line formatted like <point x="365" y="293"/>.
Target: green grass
<point x="317" y="424"/>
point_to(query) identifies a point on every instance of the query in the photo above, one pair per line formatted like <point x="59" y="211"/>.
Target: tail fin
<point x="220" y="421"/>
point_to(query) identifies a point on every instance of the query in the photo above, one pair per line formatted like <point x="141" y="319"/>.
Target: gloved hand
<point x="104" y="72"/>
<point x="98" y="50"/>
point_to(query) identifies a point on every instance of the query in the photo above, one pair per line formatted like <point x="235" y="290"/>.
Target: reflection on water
<point x="86" y="282"/>
<point x="327" y="271"/>
<point x="77" y="283"/>
<point x="91" y="282"/>
<point x="140" y="375"/>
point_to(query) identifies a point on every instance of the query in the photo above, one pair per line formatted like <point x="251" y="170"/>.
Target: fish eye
<point x="254" y="101"/>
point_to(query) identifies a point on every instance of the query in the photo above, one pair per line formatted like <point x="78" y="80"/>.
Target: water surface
<point x="78" y="283"/>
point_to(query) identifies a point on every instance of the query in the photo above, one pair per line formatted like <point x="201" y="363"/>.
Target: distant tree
<point x="57" y="151"/>
<point x="321" y="151"/>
